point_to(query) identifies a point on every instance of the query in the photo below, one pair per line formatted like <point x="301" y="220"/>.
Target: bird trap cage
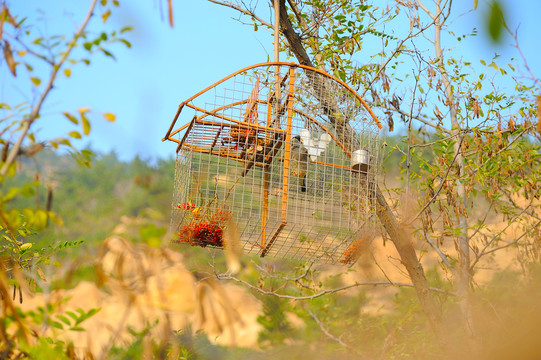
<point x="288" y="154"/>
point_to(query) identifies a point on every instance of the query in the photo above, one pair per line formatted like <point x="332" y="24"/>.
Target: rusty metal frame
<point x="169" y="132"/>
<point x="205" y="130"/>
<point x="287" y="155"/>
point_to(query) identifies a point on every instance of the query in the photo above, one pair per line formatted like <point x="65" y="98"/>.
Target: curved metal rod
<point x="268" y="64"/>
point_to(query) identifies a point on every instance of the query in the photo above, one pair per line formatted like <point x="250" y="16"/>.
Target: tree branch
<point x="324" y="292"/>
<point x="242" y="10"/>
<point x="27" y="123"/>
<point x="396" y="51"/>
<point x="330" y="335"/>
<point x="426" y="122"/>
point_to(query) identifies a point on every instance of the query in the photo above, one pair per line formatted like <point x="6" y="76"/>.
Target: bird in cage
<point x="299" y="161"/>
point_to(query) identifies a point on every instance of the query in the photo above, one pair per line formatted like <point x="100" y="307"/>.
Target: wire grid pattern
<point x="311" y="200"/>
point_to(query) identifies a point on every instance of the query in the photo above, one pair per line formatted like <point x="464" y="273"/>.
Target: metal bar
<point x="174" y="122"/>
<point x="176" y="132"/>
<point x="277" y="52"/>
<point x="264" y="212"/>
<point x="199" y="149"/>
<point x="325" y="164"/>
<point x="186" y="134"/>
<point x="207" y="114"/>
<point x="216" y="138"/>
<point x="241" y="124"/>
<point x="287" y="151"/>
<point x="272" y="240"/>
<point x="321" y="72"/>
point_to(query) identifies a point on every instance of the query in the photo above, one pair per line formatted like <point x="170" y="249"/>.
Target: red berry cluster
<point x="202" y="234"/>
<point x="199" y="233"/>
<point x="186" y="206"/>
<point x="221" y="216"/>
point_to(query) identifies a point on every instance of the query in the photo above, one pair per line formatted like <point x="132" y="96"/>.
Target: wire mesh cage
<point x="287" y="152"/>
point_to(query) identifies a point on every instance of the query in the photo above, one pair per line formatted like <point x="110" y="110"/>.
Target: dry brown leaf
<point x="7" y="15"/>
<point x="539" y="114"/>
<point x="8" y="55"/>
<point x="2" y="16"/>
<point x="390" y="121"/>
<point x="41" y="274"/>
<point x="476" y="108"/>
<point x="511" y="125"/>
<point x="5" y="150"/>
<point x="170" y="6"/>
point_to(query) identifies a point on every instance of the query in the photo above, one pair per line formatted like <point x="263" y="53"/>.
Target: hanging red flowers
<point x="204" y="230"/>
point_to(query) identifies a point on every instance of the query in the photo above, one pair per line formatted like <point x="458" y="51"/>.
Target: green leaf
<point x="67" y="72"/>
<point x="72" y="315"/>
<point x="126" y="42"/>
<point x="75" y="134"/>
<point x="495" y="24"/>
<point x="86" y="315"/>
<point x="109" y="117"/>
<point x="493" y="65"/>
<point x="87" y="154"/>
<point x="87" y="45"/>
<point x="36" y="81"/>
<point x="85" y="123"/>
<point x="107" y="53"/>
<point x="71" y="118"/>
<point x="105" y="16"/>
<point x="64" y="319"/>
<point x="64" y="141"/>
<point x="40" y="219"/>
<point x="57" y="325"/>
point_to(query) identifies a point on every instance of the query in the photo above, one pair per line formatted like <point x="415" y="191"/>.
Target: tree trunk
<point x="398" y="237"/>
<point x="408" y="257"/>
<point x="463" y="276"/>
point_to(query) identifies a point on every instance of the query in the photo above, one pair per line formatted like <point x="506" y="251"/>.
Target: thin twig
<point x="396" y="51"/>
<point x="420" y="119"/>
<point x="439" y="252"/>
<point x="244" y="11"/>
<point x="514" y="242"/>
<point x="327" y="291"/>
<point x="330" y="335"/>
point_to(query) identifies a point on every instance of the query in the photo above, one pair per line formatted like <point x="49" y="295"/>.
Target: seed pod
<point x="5" y="150"/>
<point x="539" y="114"/>
<point x="511" y="124"/>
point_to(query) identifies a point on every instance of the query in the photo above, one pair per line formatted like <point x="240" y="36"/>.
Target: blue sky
<point x="144" y="86"/>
